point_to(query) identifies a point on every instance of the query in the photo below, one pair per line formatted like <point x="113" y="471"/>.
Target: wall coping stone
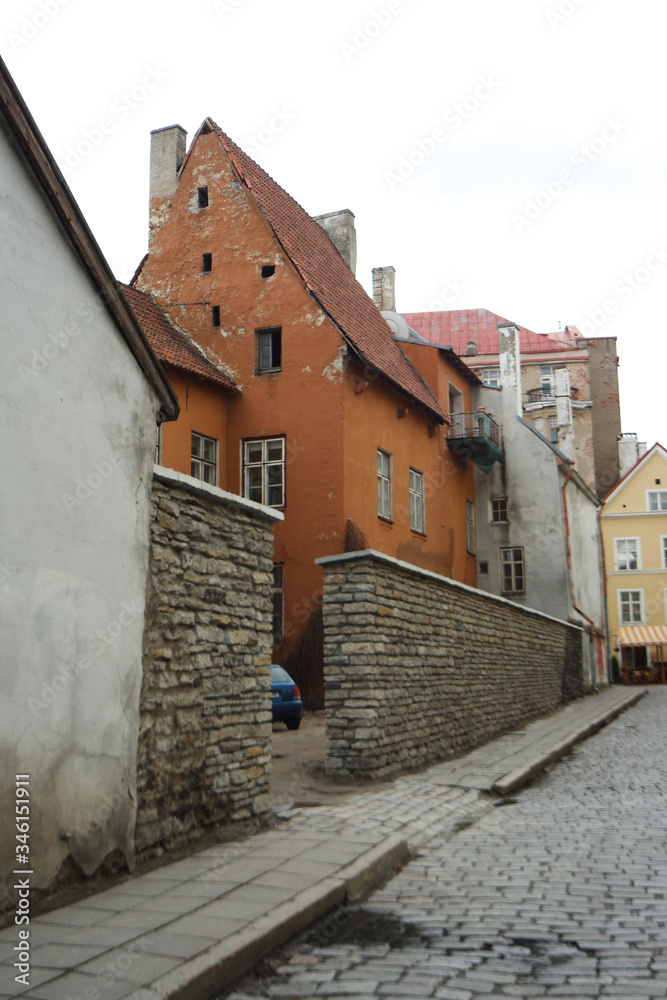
<point x="429" y="574"/>
<point x="215" y="493"/>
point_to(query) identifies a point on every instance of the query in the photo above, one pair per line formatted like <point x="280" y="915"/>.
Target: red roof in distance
<point x="170" y="344"/>
<point x="457" y="327"/>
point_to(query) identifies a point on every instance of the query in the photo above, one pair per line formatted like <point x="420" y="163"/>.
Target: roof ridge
<point x="326" y="276"/>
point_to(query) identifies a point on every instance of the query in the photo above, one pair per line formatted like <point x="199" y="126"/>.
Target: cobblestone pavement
<point x="561" y="893"/>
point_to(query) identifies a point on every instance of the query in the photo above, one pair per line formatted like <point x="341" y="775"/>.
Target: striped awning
<point x="642" y="635"/>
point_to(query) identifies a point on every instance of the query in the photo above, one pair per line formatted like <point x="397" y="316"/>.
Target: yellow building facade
<point x="634" y="533"/>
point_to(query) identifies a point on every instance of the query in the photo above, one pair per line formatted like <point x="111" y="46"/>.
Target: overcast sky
<point x="504" y="154"/>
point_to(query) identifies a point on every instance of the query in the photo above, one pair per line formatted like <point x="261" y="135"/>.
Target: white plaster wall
<point x="529" y="479"/>
<point x="76" y="453"/>
<point x="585" y="554"/>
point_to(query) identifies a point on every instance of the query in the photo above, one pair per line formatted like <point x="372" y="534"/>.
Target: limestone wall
<point x="419" y="668"/>
<point x="205" y="713"/>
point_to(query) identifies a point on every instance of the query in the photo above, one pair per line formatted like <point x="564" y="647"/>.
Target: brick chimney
<point x="339" y="227"/>
<point x="384" y="288"/>
<point x="167" y="155"/>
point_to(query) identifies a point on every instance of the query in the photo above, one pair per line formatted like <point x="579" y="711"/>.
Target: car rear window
<point x="279" y="676"/>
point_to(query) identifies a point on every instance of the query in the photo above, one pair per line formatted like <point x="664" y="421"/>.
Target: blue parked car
<point x="286" y="703"/>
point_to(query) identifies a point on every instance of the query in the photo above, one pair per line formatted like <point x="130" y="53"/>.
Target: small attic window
<point x="202" y="194"/>
<point x="268" y="270"/>
<point x="206" y="261"/>
<point x="215" y="315"/>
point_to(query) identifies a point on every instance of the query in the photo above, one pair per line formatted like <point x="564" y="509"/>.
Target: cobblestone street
<point x="560" y="893"/>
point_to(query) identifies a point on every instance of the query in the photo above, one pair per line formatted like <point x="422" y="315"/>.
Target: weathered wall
<point x="205" y="713"/>
<point x="77" y="446"/>
<point x="603" y="373"/>
<point x="419" y="668"/>
<point x="529" y="479"/>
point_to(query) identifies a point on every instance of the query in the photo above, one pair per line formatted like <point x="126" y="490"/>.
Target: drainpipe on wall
<point x="603" y="566"/>
<point x="569" y="566"/>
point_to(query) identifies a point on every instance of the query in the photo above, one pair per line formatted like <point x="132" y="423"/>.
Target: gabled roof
<point x="30" y="145"/>
<point x="327" y="276"/>
<point x="170" y="344"/>
<point x="456" y="327"/>
<point x="657" y="448"/>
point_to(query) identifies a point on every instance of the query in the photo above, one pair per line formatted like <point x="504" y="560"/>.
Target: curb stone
<point x="510" y="782"/>
<point x="221" y="965"/>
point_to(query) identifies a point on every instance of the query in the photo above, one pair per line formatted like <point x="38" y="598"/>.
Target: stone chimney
<point x="510" y="370"/>
<point x="339" y="227"/>
<point x="564" y="413"/>
<point x="167" y="155"/>
<point x="384" y="288"/>
<point x="630" y="450"/>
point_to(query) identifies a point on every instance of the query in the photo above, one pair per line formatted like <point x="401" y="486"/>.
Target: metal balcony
<point x="475" y="436"/>
<point x="547" y="395"/>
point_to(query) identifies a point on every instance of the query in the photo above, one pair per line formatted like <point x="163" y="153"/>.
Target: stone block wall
<point x="205" y="713"/>
<point x="418" y="668"/>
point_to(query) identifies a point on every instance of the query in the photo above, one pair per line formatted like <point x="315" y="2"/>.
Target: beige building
<point x="634" y="531"/>
<point x="591" y="364"/>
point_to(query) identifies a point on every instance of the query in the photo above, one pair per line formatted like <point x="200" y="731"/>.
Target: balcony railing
<point x="472" y="425"/>
<point x="545" y="394"/>
<point x="475" y="436"/>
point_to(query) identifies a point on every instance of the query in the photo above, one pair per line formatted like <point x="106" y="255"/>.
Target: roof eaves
<point x="225" y="381"/>
<point x="34" y="150"/>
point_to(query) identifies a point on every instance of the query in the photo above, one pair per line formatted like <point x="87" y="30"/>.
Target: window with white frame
<point x="631" y="607"/>
<point x="417" y="501"/>
<point x="384" y="484"/>
<point x="512" y="571"/>
<point x="491" y="377"/>
<point x="278" y="601"/>
<point x="553" y="429"/>
<point x="626" y="553"/>
<point x="663" y="547"/>
<point x="204" y="458"/>
<point x="656" y="500"/>
<point x="470" y="527"/>
<point x="264" y="471"/>
<point x="498" y="510"/>
<point x="538" y="424"/>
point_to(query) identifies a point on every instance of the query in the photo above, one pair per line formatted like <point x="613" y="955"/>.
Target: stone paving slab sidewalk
<point x="186" y="930"/>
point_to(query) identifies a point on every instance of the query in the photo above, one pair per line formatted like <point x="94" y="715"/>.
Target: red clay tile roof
<point x="170" y="345"/>
<point x="328" y="277"/>
<point x="458" y="326"/>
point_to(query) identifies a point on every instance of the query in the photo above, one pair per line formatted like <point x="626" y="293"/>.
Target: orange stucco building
<point x="325" y="416"/>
